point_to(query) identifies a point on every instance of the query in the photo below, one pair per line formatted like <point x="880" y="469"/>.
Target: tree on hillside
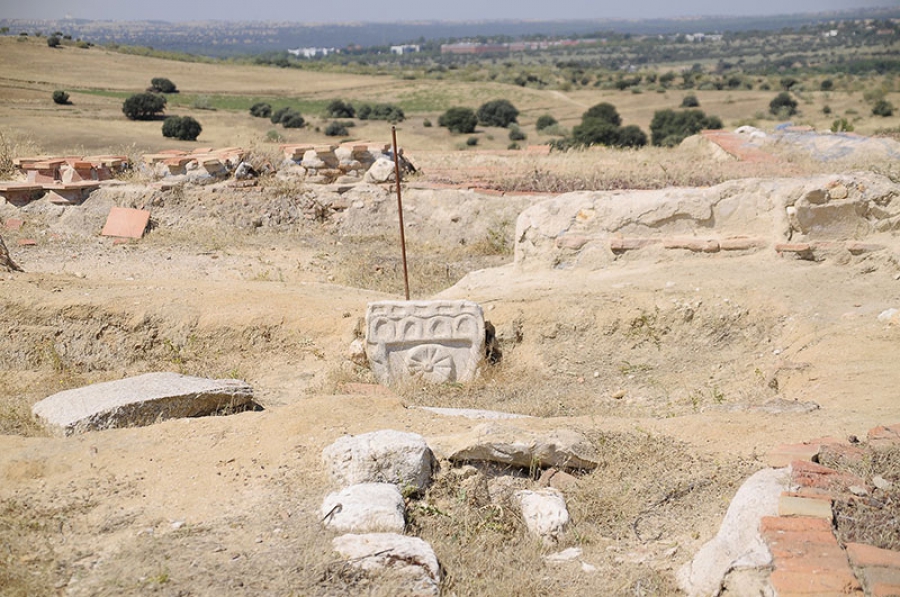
<point x="669" y="127"/>
<point x="53" y="41"/>
<point x="604" y="112"/>
<point x="545" y="122"/>
<point x="783" y="105"/>
<point x="261" y="110"/>
<point x="459" y="120"/>
<point x="340" y="109"/>
<point x="883" y="108"/>
<point x="162" y="85"/>
<point x="143" y="106"/>
<point x="184" y="128"/>
<point x="60" y="97"/>
<point x="497" y="113"/>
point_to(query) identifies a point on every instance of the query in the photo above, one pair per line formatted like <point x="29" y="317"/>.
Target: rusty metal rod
<point x="400" y="211"/>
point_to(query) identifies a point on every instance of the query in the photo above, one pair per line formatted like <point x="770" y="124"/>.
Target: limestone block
<point x="544" y="511"/>
<point x="139" y="401"/>
<point x="738" y="544"/>
<point x="385" y="456"/>
<point x="383" y="170"/>
<point x="505" y="444"/>
<point x="432" y="341"/>
<point x="411" y="558"/>
<point x="365" y="507"/>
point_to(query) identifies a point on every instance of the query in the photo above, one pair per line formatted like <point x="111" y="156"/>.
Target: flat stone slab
<point x="365" y="508"/>
<point x="432" y="341"/>
<point x="471" y="413"/>
<point x="409" y="558"/>
<point x="139" y="401"/>
<point x="505" y="444"/>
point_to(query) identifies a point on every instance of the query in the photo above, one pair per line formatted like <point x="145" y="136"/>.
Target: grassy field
<point x="218" y="95"/>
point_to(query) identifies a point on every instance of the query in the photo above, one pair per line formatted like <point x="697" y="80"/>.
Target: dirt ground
<point x="684" y="370"/>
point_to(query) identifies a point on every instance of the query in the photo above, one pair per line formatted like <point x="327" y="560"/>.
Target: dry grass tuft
<point x="873" y="520"/>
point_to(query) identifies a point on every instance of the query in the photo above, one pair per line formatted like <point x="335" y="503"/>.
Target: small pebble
<point x="881" y="483"/>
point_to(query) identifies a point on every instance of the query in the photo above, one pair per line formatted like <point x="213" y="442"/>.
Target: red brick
<point x="781" y="524"/>
<point x="13" y="224"/>
<point x="619" y="244"/>
<point x="27" y="242"/>
<point x="810" y="474"/>
<point x="868" y="555"/>
<point x="840" y="582"/>
<point x="885" y="434"/>
<point x="125" y="222"/>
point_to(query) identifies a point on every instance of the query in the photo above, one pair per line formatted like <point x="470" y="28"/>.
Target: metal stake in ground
<point x="400" y="211"/>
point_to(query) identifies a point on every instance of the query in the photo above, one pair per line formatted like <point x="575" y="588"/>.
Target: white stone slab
<point x="432" y="341"/>
<point x="365" y="508"/>
<point x="139" y="401"/>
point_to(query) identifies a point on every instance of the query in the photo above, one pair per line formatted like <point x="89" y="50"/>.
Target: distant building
<point x="405" y="49"/>
<point x="313" y="52"/>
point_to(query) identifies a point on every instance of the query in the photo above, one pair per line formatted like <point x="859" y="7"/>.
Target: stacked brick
<point x="66" y="180"/>
<point x="807" y="557"/>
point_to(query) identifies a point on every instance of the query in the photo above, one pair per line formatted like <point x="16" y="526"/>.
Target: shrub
<point x="841" y="125"/>
<point x="604" y="112"/>
<point x="288" y="117"/>
<point x="544" y="122"/>
<point x="293" y="121"/>
<point x="459" y="120"/>
<point x="388" y="112"/>
<point x="184" y="128"/>
<point x="60" y="97"/>
<point x="426" y="123"/>
<point x="788" y="83"/>
<point x="690" y="101"/>
<point x="261" y="110"/>
<point x="53" y="41"/>
<point x="783" y="105"/>
<point x="497" y="113"/>
<point x="517" y="134"/>
<point x="883" y="108"/>
<point x="826" y="85"/>
<point x="632" y="136"/>
<point x="143" y="106"/>
<point x="336" y="129"/>
<point x="274" y="136"/>
<point x="340" y="109"/>
<point x="826" y="110"/>
<point x="162" y="85"/>
<point x="472" y="141"/>
<point x="669" y="127"/>
<point x="593" y="131"/>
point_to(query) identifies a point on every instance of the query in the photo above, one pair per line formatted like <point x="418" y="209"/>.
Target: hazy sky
<point x="408" y="10"/>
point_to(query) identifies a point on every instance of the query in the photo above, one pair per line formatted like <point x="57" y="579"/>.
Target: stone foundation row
<point x="803" y="250"/>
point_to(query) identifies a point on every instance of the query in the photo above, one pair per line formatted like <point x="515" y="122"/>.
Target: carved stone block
<point x="433" y="341"/>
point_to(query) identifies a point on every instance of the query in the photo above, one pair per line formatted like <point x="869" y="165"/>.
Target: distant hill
<point x="234" y="38"/>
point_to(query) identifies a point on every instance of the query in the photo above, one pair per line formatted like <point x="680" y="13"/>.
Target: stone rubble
<point x="365" y="508"/>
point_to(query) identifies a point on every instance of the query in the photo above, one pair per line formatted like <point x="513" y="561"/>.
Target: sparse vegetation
<point x="336" y="128"/>
<point x="690" y="101"/>
<point x="287" y="117"/>
<point x="389" y="112"/>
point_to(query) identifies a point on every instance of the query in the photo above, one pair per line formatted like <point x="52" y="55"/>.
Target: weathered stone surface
<point x="738" y="543"/>
<point x="409" y="557"/>
<point x="544" y="511"/>
<point x="383" y="170"/>
<point x="587" y="229"/>
<point x="491" y="442"/>
<point x="472" y="413"/>
<point x="138" y="401"/>
<point x="365" y="508"/>
<point x="385" y="456"/>
<point x="432" y="341"/>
